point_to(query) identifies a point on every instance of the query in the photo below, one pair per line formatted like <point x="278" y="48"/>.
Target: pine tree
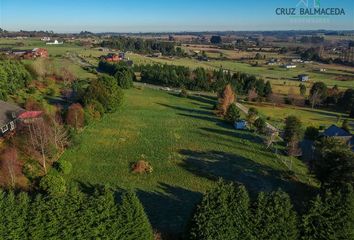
<point x="133" y="220"/>
<point x="330" y="216"/>
<point x="223" y="214"/>
<point x="274" y="217"/>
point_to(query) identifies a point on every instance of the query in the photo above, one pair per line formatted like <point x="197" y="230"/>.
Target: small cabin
<point x="303" y="77"/>
<point x="241" y="125"/>
<point x="289" y="66"/>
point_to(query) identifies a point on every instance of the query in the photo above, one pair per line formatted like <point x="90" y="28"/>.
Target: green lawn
<point x="189" y="149"/>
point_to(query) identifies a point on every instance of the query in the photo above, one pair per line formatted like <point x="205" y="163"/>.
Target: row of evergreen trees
<point x="201" y="79"/>
<point x="227" y="213"/>
<point x="141" y="45"/>
<point x="73" y="216"/>
<point x="13" y="76"/>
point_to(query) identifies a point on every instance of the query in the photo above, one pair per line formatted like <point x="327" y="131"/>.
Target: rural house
<point x="339" y="133"/>
<point x="9" y="114"/>
<point x="30" y="54"/>
<point x="289" y="66"/>
<point x="113" y="57"/>
<point x="303" y="77"/>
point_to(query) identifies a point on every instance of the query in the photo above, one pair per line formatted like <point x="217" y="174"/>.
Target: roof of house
<point x="6" y="110"/>
<point x="335" y="131"/>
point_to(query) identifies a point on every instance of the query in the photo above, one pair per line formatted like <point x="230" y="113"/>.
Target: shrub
<point x="142" y="167"/>
<point x="63" y="166"/>
<point x="232" y="114"/>
<point x="261" y="125"/>
<point x="252" y="115"/>
<point x="75" y="116"/>
<point x="311" y="133"/>
<point x="93" y="111"/>
<point x="31" y="169"/>
<point x="183" y="93"/>
<point x="53" y="184"/>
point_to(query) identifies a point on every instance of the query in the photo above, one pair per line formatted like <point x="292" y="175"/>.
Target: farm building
<point x="45" y="39"/>
<point x="241" y="125"/>
<point x="56" y="42"/>
<point x="114" y="57"/>
<point x="271" y="63"/>
<point x="40" y="52"/>
<point x="303" y="77"/>
<point x="289" y="66"/>
<point x="30" y="54"/>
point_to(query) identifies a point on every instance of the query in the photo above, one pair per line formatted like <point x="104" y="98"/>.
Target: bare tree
<point x="252" y="95"/>
<point x="59" y="132"/>
<point x="315" y="98"/>
<point x="40" y="138"/>
<point x="293" y="147"/>
<point x="67" y="75"/>
<point x="270" y="137"/>
<point x="10" y="164"/>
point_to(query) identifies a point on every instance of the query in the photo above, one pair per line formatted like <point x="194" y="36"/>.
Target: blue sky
<point x="164" y="15"/>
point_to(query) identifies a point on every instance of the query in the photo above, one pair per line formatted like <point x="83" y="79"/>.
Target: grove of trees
<point x="120" y="71"/>
<point x="74" y="215"/>
<point x="145" y="46"/>
<point x="227" y="213"/>
<point x="201" y="79"/>
<point x="13" y="76"/>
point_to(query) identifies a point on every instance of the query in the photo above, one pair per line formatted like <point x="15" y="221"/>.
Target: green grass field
<point x="308" y="116"/>
<point x="189" y="149"/>
<point x="335" y="74"/>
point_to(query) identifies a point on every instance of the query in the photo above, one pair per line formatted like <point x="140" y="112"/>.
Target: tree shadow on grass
<point x="245" y="135"/>
<point x="186" y="110"/>
<point x="170" y="210"/>
<point x="203" y="99"/>
<point x="256" y="177"/>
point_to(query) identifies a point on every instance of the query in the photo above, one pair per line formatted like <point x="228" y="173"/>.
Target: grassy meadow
<point x="308" y="116"/>
<point x="189" y="149"/>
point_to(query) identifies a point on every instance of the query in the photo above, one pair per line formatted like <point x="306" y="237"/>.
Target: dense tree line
<point x="201" y="79"/>
<point x="312" y="39"/>
<point x="74" y="215"/>
<point x="120" y="71"/>
<point x="145" y="46"/>
<point x="13" y="76"/>
<point x="227" y="213"/>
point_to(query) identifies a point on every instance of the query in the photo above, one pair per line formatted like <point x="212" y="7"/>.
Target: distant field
<point x="189" y="149"/>
<point x="308" y="116"/>
<point x="335" y="75"/>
